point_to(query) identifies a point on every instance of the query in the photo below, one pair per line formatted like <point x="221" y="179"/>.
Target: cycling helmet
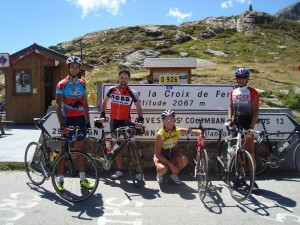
<point x="166" y="113"/>
<point x="74" y="59"/>
<point x="242" y="71"/>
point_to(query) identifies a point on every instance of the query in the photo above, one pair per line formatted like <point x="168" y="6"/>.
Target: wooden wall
<point x="23" y="108"/>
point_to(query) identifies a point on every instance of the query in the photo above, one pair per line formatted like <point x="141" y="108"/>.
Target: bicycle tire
<point x="73" y="191"/>
<point x="134" y="166"/>
<point x="222" y="160"/>
<point x="202" y="173"/>
<point x="35" y="163"/>
<point x="261" y="157"/>
<point x="297" y="157"/>
<point x="240" y="185"/>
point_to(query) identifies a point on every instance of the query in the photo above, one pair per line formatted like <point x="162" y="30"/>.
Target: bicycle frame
<point x="273" y="149"/>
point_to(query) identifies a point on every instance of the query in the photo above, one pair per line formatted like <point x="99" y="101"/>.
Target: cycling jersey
<point x="242" y="99"/>
<point x="72" y="96"/>
<point x="121" y="100"/>
<point x="169" y="142"/>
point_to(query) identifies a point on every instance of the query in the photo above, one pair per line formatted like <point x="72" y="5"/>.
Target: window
<point x="22" y="82"/>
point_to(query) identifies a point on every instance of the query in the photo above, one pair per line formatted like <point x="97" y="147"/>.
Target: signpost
<point x="214" y="119"/>
<point x="178" y="97"/>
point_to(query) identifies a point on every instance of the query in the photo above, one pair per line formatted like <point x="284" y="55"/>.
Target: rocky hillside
<point x="194" y="39"/>
<point x="291" y="13"/>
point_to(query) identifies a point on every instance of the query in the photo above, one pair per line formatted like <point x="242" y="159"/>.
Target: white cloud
<point x="88" y="6"/>
<point x="225" y="5"/>
<point x="231" y="3"/>
<point x="179" y="15"/>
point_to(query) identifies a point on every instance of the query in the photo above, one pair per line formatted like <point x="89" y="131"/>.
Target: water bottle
<point x="115" y="147"/>
<point x="108" y="147"/>
<point x="283" y="147"/>
<point x="54" y="155"/>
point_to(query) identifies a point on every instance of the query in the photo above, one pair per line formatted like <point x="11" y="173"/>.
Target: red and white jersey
<point x="242" y="99"/>
<point x="121" y="99"/>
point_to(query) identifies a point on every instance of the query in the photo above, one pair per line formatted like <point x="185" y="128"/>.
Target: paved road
<point x="15" y="140"/>
<point x="121" y="203"/>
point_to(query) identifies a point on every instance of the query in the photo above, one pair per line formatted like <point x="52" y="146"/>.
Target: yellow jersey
<point x="169" y="141"/>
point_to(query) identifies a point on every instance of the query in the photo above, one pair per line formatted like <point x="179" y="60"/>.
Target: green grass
<point x="8" y="166"/>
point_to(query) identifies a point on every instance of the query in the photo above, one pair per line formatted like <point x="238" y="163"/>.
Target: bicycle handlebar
<point x="203" y="130"/>
<point x="235" y="128"/>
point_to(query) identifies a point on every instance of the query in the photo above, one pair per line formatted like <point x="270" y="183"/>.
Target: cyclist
<point x="244" y="110"/>
<point x="166" y="156"/>
<point x="121" y="97"/>
<point x="72" y="110"/>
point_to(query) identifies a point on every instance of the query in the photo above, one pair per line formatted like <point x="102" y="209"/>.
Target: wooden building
<point x="30" y="82"/>
<point x="171" y="70"/>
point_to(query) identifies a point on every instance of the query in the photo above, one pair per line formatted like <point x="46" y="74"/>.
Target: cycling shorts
<point x="79" y="121"/>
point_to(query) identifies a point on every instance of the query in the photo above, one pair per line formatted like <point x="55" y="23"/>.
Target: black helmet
<point x="166" y="113"/>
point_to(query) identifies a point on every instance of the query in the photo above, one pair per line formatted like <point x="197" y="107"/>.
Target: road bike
<point x="235" y="164"/>
<point x="104" y="158"/>
<point x="39" y="166"/>
<point x="201" y="158"/>
<point x="268" y="155"/>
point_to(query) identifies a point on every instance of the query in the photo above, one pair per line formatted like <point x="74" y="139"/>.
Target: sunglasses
<point x="169" y="120"/>
<point x="239" y="77"/>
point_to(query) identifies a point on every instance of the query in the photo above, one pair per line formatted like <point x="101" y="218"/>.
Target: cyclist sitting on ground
<point x="244" y="109"/>
<point x="121" y="97"/>
<point x="166" y="156"/>
<point x="72" y="110"/>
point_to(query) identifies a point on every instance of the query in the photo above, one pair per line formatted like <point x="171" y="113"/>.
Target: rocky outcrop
<point x="291" y="13"/>
<point x="136" y="59"/>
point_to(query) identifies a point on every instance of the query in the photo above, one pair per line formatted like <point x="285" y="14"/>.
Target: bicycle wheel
<point x="202" y="173"/>
<point x="134" y="166"/>
<point x="240" y="185"/>
<point x="68" y="165"/>
<point x="222" y="160"/>
<point x="35" y="163"/>
<point x="261" y="157"/>
<point x="297" y="157"/>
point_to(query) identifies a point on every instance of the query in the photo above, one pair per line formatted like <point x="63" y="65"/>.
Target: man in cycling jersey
<point x="166" y="156"/>
<point x="72" y="110"/>
<point x="121" y="97"/>
<point x="244" y="109"/>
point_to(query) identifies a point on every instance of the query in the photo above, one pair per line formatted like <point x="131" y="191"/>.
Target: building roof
<point x="170" y="62"/>
<point x="43" y="51"/>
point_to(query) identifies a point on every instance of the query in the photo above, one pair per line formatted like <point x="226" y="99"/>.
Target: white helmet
<point x="74" y="59"/>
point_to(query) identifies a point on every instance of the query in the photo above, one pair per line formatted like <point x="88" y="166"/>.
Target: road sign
<point x="4" y="60"/>
<point x="213" y="119"/>
<point x="178" y="97"/>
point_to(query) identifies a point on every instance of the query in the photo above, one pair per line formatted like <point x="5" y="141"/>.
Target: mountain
<point x="256" y="32"/>
<point x="291" y="12"/>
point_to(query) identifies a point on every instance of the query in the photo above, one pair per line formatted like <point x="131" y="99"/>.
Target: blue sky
<point x="24" y="22"/>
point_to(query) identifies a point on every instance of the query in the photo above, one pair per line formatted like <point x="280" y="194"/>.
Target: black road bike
<point x="124" y="135"/>
<point x="268" y="155"/>
<point x="39" y="167"/>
